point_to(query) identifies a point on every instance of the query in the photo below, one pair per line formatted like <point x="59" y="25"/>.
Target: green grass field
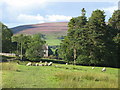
<point x="52" y="40"/>
<point x="62" y="76"/>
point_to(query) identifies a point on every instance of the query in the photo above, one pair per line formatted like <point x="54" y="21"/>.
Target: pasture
<point x="52" y="40"/>
<point x="57" y="76"/>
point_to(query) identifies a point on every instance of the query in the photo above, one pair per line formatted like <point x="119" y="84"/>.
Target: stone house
<point x="45" y="48"/>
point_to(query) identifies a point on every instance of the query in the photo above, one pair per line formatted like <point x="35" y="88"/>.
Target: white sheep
<point x="93" y="67"/>
<point x="40" y="61"/>
<point x="29" y="64"/>
<point x="50" y="64"/>
<point x="104" y="69"/>
<point x="66" y="63"/>
<point x="36" y="64"/>
<point x="46" y="64"/>
<point x="40" y="65"/>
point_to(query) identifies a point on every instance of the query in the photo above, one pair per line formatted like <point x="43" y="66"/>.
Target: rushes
<point x="84" y="79"/>
<point x="9" y="66"/>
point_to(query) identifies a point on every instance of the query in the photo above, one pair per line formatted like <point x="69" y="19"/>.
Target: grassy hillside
<point x="51" y="31"/>
<point x="61" y="76"/>
<point x="52" y="40"/>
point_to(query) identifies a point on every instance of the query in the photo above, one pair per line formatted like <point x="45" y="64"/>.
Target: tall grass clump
<point x="86" y="80"/>
<point x="9" y="66"/>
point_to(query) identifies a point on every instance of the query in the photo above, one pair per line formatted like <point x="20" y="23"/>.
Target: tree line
<point x="92" y="41"/>
<point x="28" y="47"/>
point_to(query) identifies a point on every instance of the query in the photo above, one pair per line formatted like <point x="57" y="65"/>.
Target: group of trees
<point x="29" y="46"/>
<point x="92" y="41"/>
<point x="24" y="46"/>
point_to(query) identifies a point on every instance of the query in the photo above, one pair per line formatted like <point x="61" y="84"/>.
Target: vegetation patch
<point x="84" y="79"/>
<point x="9" y="66"/>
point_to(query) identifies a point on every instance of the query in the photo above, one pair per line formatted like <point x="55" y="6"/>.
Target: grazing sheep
<point x="29" y="64"/>
<point x="46" y="64"/>
<point x="66" y="63"/>
<point x="40" y="64"/>
<point x="36" y="64"/>
<point x="93" y="67"/>
<point x="50" y="64"/>
<point x="40" y="61"/>
<point x="104" y="69"/>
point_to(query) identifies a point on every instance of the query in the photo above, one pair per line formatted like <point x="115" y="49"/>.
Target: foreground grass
<point x="60" y="76"/>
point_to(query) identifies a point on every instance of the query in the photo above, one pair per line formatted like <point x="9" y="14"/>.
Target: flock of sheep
<point x="50" y="64"/>
<point x="39" y="64"/>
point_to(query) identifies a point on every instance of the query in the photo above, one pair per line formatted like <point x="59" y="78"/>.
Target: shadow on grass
<point x="53" y="60"/>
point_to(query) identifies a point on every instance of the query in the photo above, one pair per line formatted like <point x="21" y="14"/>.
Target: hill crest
<point x="43" y="28"/>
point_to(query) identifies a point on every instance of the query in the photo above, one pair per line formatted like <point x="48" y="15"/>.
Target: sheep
<point x="40" y="61"/>
<point x="66" y="63"/>
<point x="50" y="64"/>
<point x="40" y="64"/>
<point x="93" y="67"/>
<point x="36" y="64"/>
<point x="46" y="64"/>
<point x="29" y="64"/>
<point x="104" y="69"/>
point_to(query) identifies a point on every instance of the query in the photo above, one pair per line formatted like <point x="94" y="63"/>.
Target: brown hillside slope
<point x="44" y="28"/>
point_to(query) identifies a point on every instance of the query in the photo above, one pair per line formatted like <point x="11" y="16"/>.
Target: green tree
<point x="114" y="37"/>
<point x="50" y="52"/>
<point x="97" y="37"/>
<point x="6" y="38"/>
<point x="35" y="48"/>
<point x="70" y="45"/>
<point x="22" y="44"/>
<point x="114" y="21"/>
<point x="65" y="51"/>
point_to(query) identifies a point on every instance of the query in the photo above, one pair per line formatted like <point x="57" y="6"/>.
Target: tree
<point x="35" y="48"/>
<point x="114" y="36"/>
<point x="6" y="38"/>
<point x="50" y="52"/>
<point x="75" y="26"/>
<point x="97" y="37"/>
<point x="69" y="46"/>
<point x="22" y="44"/>
<point x="114" y="21"/>
<point x="65" y="51"/>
